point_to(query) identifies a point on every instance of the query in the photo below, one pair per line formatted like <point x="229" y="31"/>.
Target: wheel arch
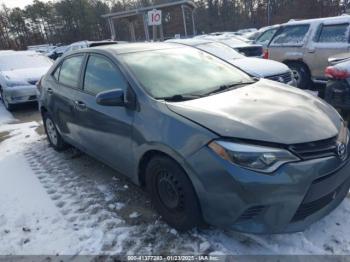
<point x="299" y="61"/>
<point x="144" y="160"/>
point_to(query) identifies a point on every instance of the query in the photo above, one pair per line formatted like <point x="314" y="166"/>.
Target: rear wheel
<point x="53" y="135"/>
<point x="301" y="75"/>
<point x="172" y="193"/>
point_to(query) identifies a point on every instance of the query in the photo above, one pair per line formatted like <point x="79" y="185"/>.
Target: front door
<point x="105" y="131"/>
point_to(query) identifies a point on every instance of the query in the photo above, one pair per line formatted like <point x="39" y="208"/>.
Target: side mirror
<point x="113" y="97"/>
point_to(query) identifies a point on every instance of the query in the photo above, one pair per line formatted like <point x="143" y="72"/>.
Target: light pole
<point x="268" y="12"/>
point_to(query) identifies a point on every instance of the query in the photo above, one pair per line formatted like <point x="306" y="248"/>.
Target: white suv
<point x="305" y="45"/>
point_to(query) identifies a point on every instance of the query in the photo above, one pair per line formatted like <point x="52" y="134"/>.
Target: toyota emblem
<point x="280" y="79"/>
<point x="341" y="151"/>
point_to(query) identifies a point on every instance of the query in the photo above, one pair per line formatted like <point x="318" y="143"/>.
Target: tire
<point x="172" y="194"/>
<point x="8" y="106"/>
<point x="301" y="75"/>
<point x="53" y="136"/>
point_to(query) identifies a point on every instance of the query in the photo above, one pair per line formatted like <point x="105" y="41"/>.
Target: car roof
<point x="340" y="19"/>
<point x="190" y="41"/>
<point x="133" y="47"/>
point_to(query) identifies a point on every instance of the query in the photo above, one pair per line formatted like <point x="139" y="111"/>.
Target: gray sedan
<point x="209" y="143"/>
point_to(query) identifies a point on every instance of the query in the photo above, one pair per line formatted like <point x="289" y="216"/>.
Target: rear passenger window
<point x="70" y="71"/>
<point x="291" y="35"/>
<point x="334" y="33"/>
<point x="265" y="38"/>
<point x="101" y="75"/>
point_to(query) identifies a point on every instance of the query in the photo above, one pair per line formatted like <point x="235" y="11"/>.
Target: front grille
<point x="307" y="209"/>
<point x="255" y="51"/>
<point x="282" y="78"/>
<point x="317" y="149"/>
<point x="250" y="213"/>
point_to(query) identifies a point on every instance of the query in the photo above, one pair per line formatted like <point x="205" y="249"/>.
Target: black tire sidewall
<point x="305" y="80"/>
<point x="191" y="215"/>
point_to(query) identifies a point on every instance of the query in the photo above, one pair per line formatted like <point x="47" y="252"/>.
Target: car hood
<point x="264" y="111"/>
<point x="260" y="67"/>
<point x="27" y="74"/>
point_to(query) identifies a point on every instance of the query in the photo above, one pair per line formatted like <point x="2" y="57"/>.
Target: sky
<point x="18" y="3"/>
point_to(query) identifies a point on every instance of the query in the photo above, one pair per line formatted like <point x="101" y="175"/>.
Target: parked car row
<point x="209" y="133"/>
<point x="222" y="49"/>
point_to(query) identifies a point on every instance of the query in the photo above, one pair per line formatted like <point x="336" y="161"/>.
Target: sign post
<point x="154" y="20"/>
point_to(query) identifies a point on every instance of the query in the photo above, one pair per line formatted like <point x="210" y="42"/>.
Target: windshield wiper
<point x="226" y="87"/>
<point x="178" y="98"/>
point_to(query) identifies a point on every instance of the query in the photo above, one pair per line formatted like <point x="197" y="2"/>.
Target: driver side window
<point x="101" y="75"/>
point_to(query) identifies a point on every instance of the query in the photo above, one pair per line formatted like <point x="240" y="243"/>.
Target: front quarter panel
<point x="157" y="128"/>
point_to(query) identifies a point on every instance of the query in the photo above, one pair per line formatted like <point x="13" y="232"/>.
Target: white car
<point x="19" y="72"/>
<point x="236" y="42"/>
<point x="256" y="67"/>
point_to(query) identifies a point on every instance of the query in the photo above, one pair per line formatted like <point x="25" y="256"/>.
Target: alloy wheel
<point x="51" y="131"/>
<point x="297" y="76"/>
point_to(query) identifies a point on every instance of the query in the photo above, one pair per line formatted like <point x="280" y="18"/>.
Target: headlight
<point x="343" y="136"/>
<point x="13" y="83"/>
<point x="257" y="158"/>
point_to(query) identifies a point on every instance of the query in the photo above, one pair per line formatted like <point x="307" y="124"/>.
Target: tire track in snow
<point x="92" y="211"/>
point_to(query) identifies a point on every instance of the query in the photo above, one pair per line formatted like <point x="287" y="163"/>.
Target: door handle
<point x="311" y="50"/>
<point x="50" y="91"/>
<point x="79" y="105"/>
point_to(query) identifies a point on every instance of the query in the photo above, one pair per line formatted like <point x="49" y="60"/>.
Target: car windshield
<point x="220" y="50"/>
<point x="15" y="61"/>
<point x="181" y="71"/>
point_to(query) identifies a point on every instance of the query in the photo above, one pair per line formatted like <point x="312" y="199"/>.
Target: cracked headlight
<point x="257" y="158"/>
<point x="343" y="136"/>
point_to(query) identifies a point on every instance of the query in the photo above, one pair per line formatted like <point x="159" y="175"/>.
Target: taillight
<point x="337" y="73"/>
<point x="266" y="54"/>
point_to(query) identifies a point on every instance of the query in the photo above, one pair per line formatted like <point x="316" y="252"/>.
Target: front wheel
<point x="172" y="193"/>
<point x="53" y="135"/>
<point x="301" y="75"/>
<point x="7" y="105"/>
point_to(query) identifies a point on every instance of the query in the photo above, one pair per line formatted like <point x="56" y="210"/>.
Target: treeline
<point x="66" y="21"/>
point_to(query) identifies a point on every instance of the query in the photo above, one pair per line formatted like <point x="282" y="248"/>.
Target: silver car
<point x="256" y="67"/>
<point x="19" y="72"/>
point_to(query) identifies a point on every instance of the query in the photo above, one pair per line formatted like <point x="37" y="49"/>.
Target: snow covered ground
<point x="68" y="203"/>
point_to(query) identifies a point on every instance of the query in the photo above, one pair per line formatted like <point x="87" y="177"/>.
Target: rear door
<point x="62" y="94"/>
<point x="105" y="131"/>
<point x="330" y="39"/>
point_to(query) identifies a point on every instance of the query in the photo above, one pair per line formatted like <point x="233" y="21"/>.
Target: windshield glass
<point x="220" y="50"/>
<point x="15" y="61"/>
<point x="181" y="71"/>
